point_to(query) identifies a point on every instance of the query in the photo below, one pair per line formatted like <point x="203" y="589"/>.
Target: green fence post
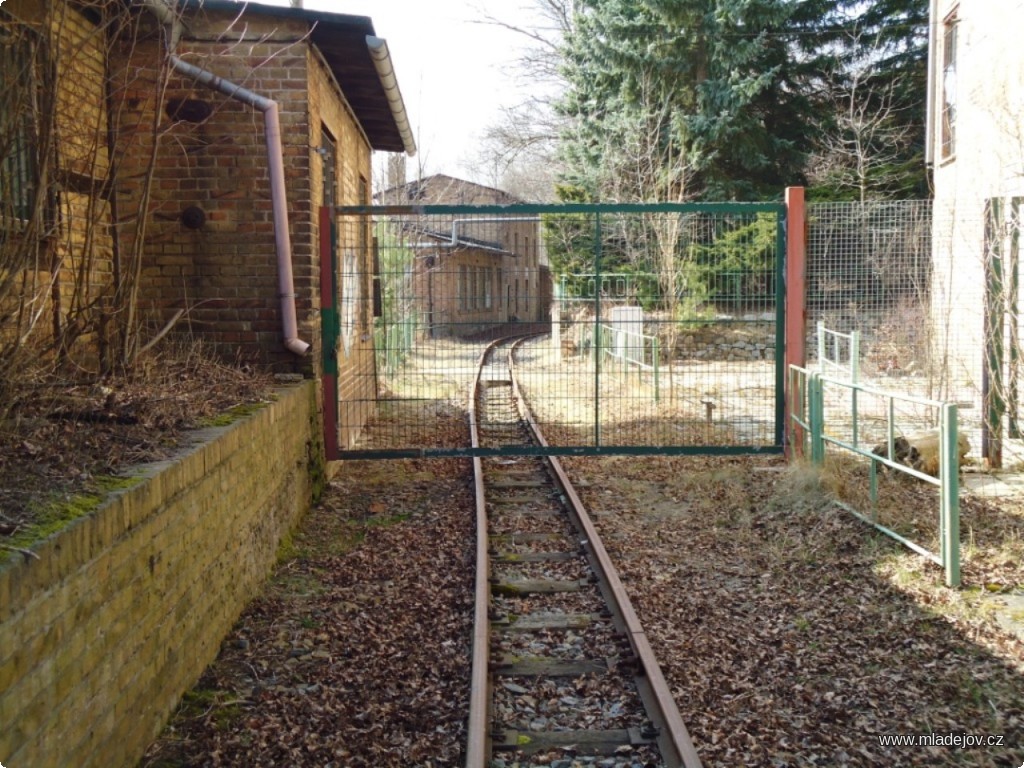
<point x="799" y="411"/>
<point x="597" y="329"/>
<point x="1014" y="313"/>
<point x="873" y="484"/>
<point x="949" y="497"/>
<point x="816" y="408"/>
<point x="855" y="378"/>
<point x="992" y="393"/>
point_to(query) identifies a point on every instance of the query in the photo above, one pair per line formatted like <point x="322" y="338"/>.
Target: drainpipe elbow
<point x="296" y="346"/>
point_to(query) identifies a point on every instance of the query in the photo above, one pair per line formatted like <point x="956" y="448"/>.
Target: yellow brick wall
<point x="357" y="385"/>
<point x="123" y="610"/>
<point x="225" y="272"/>
<point x="74" y="247"/>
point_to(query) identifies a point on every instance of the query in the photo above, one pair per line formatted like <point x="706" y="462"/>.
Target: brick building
<point x="473" y="271"/>
<point x="178" y="173"/>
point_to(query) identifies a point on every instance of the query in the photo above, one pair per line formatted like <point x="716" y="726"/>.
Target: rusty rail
<point x="478" y="746"/>
<point x="674" y="743"/>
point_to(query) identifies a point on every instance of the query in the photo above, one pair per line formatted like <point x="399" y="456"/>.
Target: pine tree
<point x="726" y="99"/>
<point x="675" y="99"/>
<point x="871" y="141"/>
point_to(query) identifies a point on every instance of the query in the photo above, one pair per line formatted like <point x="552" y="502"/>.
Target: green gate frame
<point x="330" y="319"/>
<point x="808" y="388"/>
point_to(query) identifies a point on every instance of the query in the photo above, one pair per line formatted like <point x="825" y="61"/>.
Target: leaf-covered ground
<point x="65" y="434"/>
<point x="793" y="634"/>
<point x="357" y="654"/>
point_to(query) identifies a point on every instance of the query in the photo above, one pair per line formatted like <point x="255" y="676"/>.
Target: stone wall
<point x="752" y="343"/>
<point x="125" y="608"/>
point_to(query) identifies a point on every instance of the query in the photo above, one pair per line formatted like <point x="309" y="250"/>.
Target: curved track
<point x="561" y="664"/>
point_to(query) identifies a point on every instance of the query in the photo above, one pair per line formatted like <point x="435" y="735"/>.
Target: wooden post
<point x="796" y="303"/>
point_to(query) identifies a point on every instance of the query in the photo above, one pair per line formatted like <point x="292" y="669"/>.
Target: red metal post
<point x="796" y="303"/>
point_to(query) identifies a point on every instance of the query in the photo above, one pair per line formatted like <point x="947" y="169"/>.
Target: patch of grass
<point x="57" y="513"/>
<point x="287" y="549"/>
<point x="299" y="585"/>
<point x="203" y="703"/>
<point x="231" y="415"/>
<point x="383" y="521"/>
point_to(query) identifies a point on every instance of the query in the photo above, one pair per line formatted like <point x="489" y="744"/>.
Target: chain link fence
<point x="934" y="298"/>
<point x="658" y="324"/>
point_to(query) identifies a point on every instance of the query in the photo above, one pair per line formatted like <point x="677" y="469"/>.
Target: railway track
<point x="562" y="669"/>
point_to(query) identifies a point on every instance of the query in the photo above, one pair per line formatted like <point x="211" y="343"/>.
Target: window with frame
<point x="329" y="156"/>
<point x="950" y="35"/>
<point x="18" y="119"/>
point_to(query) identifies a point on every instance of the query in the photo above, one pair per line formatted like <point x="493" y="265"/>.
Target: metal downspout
<point x="931" y="102"/>
<point x="279" y="200"/>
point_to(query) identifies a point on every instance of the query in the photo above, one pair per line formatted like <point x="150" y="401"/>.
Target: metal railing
<point x="832" y="361"/>
<point x="807" y="390"/>
<point x="630" y="348"/>
<point x="831" y="357"/>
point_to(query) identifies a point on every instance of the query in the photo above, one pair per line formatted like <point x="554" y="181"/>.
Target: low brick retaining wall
<point x="126" y="607"/>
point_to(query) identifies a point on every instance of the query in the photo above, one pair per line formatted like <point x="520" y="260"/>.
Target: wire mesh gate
<point x="654" y="328"/>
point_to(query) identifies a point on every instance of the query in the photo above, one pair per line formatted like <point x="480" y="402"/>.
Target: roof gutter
<point x="930" y="95"/>
<point x="386" y="72"/>
<point x="278" y="197"/>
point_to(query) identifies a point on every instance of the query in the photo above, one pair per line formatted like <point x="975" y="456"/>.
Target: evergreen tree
<point x="724" y="99"/>
<point x="706" y="90"/>
<point x="871" y="139"/>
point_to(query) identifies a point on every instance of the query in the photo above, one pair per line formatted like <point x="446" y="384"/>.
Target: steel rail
<point x="478" y="746"/>
<point x="674" y="740"/>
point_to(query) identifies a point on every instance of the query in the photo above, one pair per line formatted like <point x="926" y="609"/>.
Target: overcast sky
<point x="455" y="73"/>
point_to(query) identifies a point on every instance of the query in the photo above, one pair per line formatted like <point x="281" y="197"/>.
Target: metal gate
<point x="655" y="328"/>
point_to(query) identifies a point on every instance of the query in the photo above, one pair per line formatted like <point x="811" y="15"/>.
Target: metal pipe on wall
<point x="278" y="196"/>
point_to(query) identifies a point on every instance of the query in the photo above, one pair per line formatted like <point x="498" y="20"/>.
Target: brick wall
<point x="224" y="271"/>
<point x="125" y="608"/>
<point x="70" y="250"/>
<point x="357" y="383"/>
